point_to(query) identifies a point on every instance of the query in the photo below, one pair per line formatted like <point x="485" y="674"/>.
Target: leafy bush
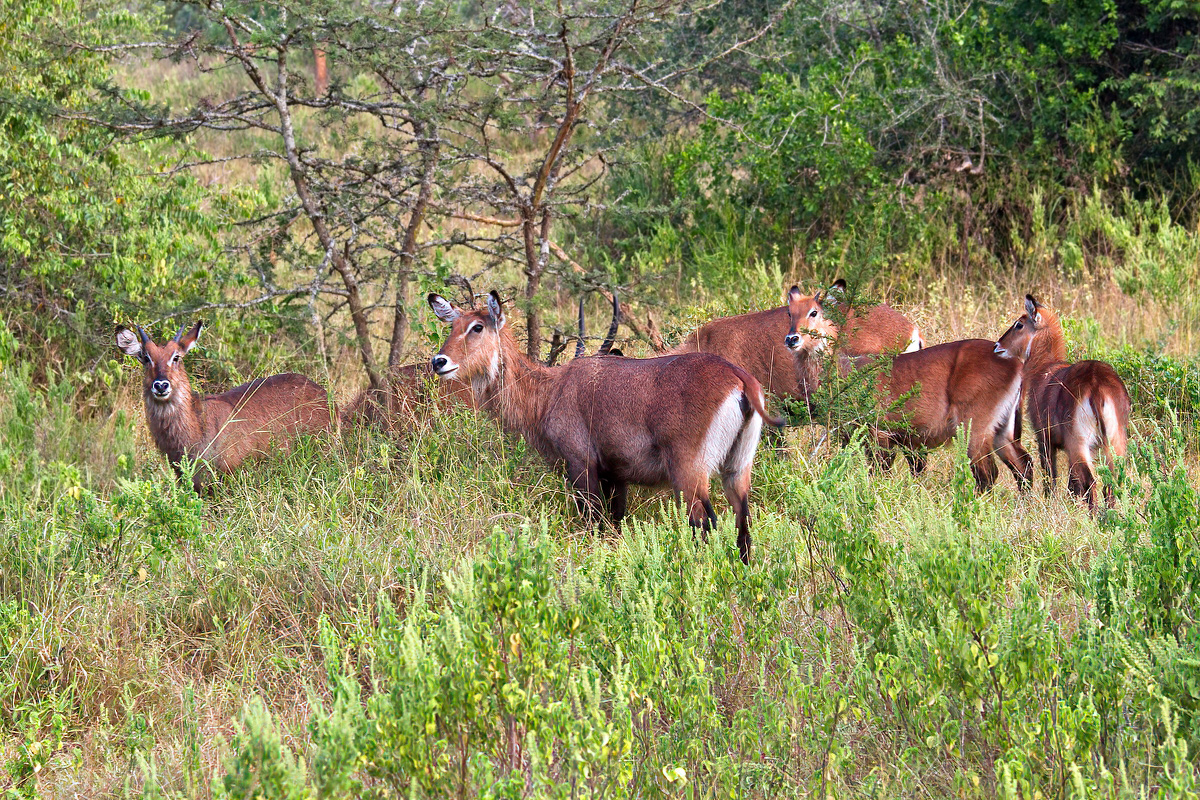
<point x="86" y="236"/>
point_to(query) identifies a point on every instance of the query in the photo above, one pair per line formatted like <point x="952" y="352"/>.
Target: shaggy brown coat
<point x="219" y="431"/>
<point x="612" y="421"/>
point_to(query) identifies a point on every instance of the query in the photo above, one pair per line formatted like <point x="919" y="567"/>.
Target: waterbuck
<point x="408" y="394"/>
<point x="1079" y="408"/>
<point x="756" y="341"/>
<point x="877" y="329"/>
<point x="219" y="431"/>
<point x="945" y="386"/>
<point x="612" y="421"/>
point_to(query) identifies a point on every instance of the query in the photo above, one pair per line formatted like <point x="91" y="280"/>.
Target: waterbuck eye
<point x="477" y="327"/>
<point x="1020" y="325"/>
<point x="813" y="313"/>
<point x="175" y="359"/>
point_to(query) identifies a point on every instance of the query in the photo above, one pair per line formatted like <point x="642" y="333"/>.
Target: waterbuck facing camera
<point x="219" y="431"/>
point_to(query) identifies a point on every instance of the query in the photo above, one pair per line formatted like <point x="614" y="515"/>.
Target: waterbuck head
<point x="810" y="330"/>
<point x="472" y="351"/>
<point x="1018" y="339"/>
<point x="163" y="376"/>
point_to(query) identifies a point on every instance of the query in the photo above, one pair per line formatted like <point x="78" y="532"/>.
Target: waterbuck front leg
<point x="585" y="478"/>
<point x="616" y="494"/>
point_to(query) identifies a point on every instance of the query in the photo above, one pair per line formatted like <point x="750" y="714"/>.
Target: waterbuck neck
<point x="518" y="392"/>
<point x="1048" y="348"/>
<point x="177" y="426"/>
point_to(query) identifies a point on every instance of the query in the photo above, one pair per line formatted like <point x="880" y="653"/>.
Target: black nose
<point x="792" y="339"/>
<point x="161" y="387"/>
<point x="439" y="362"/>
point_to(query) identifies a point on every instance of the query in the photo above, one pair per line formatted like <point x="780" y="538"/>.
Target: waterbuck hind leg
<point x="1081" y="482"/>
<point x="983" y="466"/>
<point x="1048" y="455"/>
<point x="694" y="489"/>
<point x="737" y="492"/>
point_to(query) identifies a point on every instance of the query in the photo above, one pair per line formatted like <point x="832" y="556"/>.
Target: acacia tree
<point x="364" y="155"/>
<point x="430" y="118"/>
<point x="555" y="78"/>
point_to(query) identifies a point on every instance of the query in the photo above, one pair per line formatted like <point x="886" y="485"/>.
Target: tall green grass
<point x="427" y="616"/>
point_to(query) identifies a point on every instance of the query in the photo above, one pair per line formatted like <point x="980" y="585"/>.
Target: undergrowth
<point x="426" y="616"/>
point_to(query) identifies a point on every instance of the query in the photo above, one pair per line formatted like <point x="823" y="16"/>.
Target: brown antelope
<point x="756" y="341"/>
<point x="219" y="431"/>
<point x="880" y="329"/>
<point x="408" y="392"/>
<point x="943" y="387"/>
<point x="614" y="421"/>
<point x="1079" y="408"/>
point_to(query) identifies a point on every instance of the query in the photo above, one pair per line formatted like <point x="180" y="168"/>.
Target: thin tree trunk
<point x="429" y="156"/>
<point x="320" y="70"/>
<point x="533" y="281"/>
<point x="338" y="259"/>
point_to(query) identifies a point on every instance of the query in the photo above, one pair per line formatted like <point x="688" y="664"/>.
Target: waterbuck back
<point x="219" y="431"/>
<point x="613" y="421"/>
<point x="1078" y="408"/>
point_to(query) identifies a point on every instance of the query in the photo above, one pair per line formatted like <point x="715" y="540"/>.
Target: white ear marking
<point x="442" y="307"/>
<point x="127" y="342"/>
<point x="496" y="309"/>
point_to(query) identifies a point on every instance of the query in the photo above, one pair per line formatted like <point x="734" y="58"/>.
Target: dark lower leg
<point x="587" y="491"/>
<point x="737" y="492"/>
<point x="618" y="495"/>
<point x="1081" y="482"/>
<point x="1019" y="463"/>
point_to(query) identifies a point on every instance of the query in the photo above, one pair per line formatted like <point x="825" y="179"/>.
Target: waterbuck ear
<point x="129" y="343"/>
<point x="188" y="340"/>
<point x="838" y="286"/>
<point x="496" y="309"/>
<point x="794" y="294"/>
<point x="442" y="307"/>
<point x="1031" y="308"/>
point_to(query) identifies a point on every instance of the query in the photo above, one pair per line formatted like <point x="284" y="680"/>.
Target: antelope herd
<point x="677" y="418"/>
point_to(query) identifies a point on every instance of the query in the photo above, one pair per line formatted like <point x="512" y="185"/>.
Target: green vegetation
<point x="425" y="614"/>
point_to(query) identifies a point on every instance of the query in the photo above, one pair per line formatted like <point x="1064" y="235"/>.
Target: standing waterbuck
<point x="756" y="342"/>
<point x="930" y="392"/>
<point x="614" y="421"/>
<point x="1079" y="408"/>
<point x="876" y="329"/>
<point x="219" y="431"/>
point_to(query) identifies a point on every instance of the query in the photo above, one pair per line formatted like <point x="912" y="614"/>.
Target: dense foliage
<point x="90" y="233"/>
